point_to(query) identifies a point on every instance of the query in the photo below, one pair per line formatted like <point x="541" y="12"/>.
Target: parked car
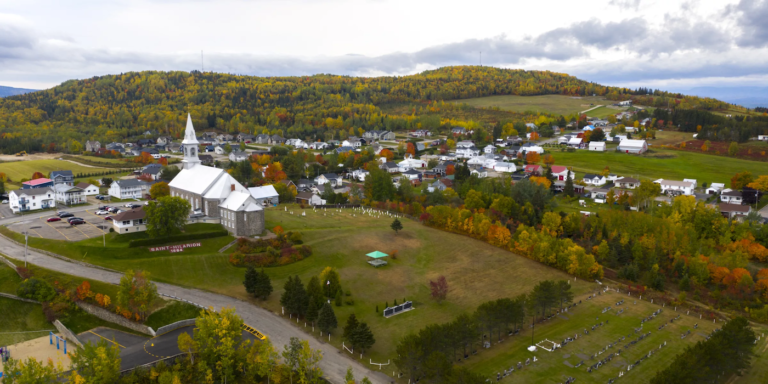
<point x="65" y="215"/>
<point x="62" y="213"/>
<point x="77" y="222"/>
<point x="5" y="201"/>
<point x="104" y="208"/>
<point x="114" y="210"/>
<point x="196" y="214"/>
<point x="128" y="205"/>
<point x="74" y="218"/>
<point x="108" y="218"/>
<point x="135" y="205"/>
<point x="52" y="219"/>
<point x="101" y="212"/>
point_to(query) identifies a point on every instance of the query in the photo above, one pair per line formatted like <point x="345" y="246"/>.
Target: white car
<point x="102" y="212"/>
<point x="5" y="201"/>
<point x="129" y="205"/>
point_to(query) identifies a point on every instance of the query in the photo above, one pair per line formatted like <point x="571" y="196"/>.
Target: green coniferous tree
<point x="568" y="190"/>
<point x="312" y="311"/>
<point x="337" y="300"/>
<point x="327" y="319"/>
<point x="362" y="338"/>
<point x="396" y="225"/>
<point x="251" y="280"/>
<point x="263" y="285"/>
<point x="351" y="325"/>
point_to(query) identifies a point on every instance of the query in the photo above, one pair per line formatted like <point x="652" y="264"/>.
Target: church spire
<point x="190" y="146"/>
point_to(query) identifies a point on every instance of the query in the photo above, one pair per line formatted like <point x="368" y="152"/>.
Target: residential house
<point x="245" y="138"/>
<point x="88" y="189"/>
<point x="304" y="184"/>
<point x="762" y="137"/>
<point x="219" y="150"/>
<point x="448" y="157"/>
<point x="599" y="195"/>
<point x="210" y="135"/>
<point x="69" y="195"/>
<point x="288" y="183"/>
<point x="318" y="145"/>
<point x="490" y="148"/>
<point x="276" y="140"/>
<point x="211" y="148"/>
<point x="504" y="167"/>
<point x="695" y="183"/>
<point x="225" y="137"/>
<point x="344" y="149"/>
<point x="329" y="178"/>
<point x="390" y="166"/>
<point x="633" y="146"/>
<point x="465" y="144"/>
<point x="512" y="140"/>
<point x="592" y="179"/>
<point x="420" y="147"/>
<point x="37" y="183"/>
<point x="129" y="189"/>
<point x="532" y="126"/>
<point x="559" y="186"/>
<point x="261" y="138"/>
<point x="92" y="146"/>
<point x="530" y="147"/>
<point x="238" y="156"/>
<point x="576" y="142"/>
<point x="379" y="135"/>
<point x="675" y="187"/>
<point x="205" y="159"/>
<point x="732" y="196"/>
<point x="440" y="169"/>
<point x="440" y="185"/>
<point x="419" y="133"/>
<point x="352" y="142"/>
<point x="612" y="178"/>
<point x="734" y="211"/>
<point x="63" y="177"/>
<point x="533" y="170"/>
<point x="627" y="183"/>
<point x="25" y="200"/>
<point x="266" y="195"/>
<point x="359" y="174"/>
<point x="564" y="139"/>
<point x="309" y="198"/>
<point x="173" y="147"/>
<point x="376" y="148"/>
<point x="458" y="131"/>
<point x="410" y="163"/>
<point x="560" y="172"/>
<point x="152" y="171"/>
<point x="412" y="174"/>
<point x="598" y="146"/>
<point x="164" y="140"/>
<point x="479" y="173"/>
<point x="467" y="152"/>
<point x="132" y="220"/>
<point x="715" y="188"/>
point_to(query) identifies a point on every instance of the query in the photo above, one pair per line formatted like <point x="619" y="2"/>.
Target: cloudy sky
<point x="658" y="43"/>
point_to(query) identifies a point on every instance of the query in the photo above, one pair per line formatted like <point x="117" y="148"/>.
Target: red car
<point x="52" y="219"/>
<point x="108" y="218"/>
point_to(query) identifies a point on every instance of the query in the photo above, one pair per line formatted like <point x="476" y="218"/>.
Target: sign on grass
<point x="174" y="248"/>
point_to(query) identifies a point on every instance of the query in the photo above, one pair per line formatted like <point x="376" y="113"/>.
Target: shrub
<point x="175" y="238"/>
<point x="36" y="289"/>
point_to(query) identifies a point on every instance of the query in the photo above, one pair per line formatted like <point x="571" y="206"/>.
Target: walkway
<point x="278" y="330"/>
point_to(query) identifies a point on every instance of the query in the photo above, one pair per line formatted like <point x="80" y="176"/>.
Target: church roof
<point x="222" y="187"/>
<point x="240" y="201"/>
<point x="197" y="179"/>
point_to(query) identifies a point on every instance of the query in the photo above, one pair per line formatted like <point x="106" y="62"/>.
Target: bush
<point x="629" y="272"/>
<point x="175" y="238"/>
<point x="36" y="289"/>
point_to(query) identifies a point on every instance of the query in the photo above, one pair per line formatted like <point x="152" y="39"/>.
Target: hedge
<point x="175" y="238"/>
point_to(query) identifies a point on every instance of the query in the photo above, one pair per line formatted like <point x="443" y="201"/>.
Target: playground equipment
<point x="58" y="339"/>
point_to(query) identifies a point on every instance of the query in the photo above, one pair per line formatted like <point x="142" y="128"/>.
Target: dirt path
<point x="595" y="107"/>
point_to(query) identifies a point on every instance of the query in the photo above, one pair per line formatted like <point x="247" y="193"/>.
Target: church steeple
<point x="190" y="146"/>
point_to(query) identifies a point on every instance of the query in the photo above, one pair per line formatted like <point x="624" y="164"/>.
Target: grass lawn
<point x="9" y="279"/>
<point x="557" y="104"/>
<point x="671" y="137"/>
<point x="17" y="170"/>
<point x="476" y="272"/>
<point x="660" y="163"/>
<point x="603" y="112"/>
<point x="19" y="316"/>
<point x="171" y="313"/>
<point x="557" y="366"/>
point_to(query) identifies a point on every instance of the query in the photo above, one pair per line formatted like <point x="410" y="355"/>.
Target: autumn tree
<point x="733" y="148"/>
<point x="534" y="136"/>
<point x="159" y="189"/>
<point x="541" y="180"/>
<point x="30" y="371"/>
<point x="136" y="293"/>
<point x="387" y="154"/>
<point x="439" y="288"/>
<point x="96" y="363"/>
<point x="450" y="169"/>
<point x="760" y="184"/>
<point x="741" y="180"/>
<point x="549" y="160"/>
<point x="411" y="149"/>
<point x="532" y="157"/>
<point x="37" y="175"/>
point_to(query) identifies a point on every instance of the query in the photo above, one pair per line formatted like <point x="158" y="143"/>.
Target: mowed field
<point x="603" y="112"/>
<point x="557" y="104"/>
<point x="660" y="163"/>
<point x="17" y="170"/>
<point x="557" y="366"/>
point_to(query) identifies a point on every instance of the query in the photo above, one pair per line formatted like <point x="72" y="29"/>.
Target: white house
<point x="600" y="195"/>
<point x="627" y="182"/>
<point x="762" y="137"/>
<point x="309" y="198"/>
<point x="575" y="142"/>
<point x="332" y="178"/>
<point x="592" y="179"/>
<point x="266" y="195"/>
<point x="467" y="152"/>
<point x="360" y="174"/>
<point x="238" y="156"/>
<point x="490" y="148"/>
<point x="69" y="195"/>
<point x="732" y="197"/>
<point x="504" y="167"/>
<point x="695" y="184"/>
<point x="411" y="163"/>
<point x="88" y="189"/>
<point x="675" y="187"/>
<point x="715" y="188"/>
<point x="133" y="220"/>
<point x="528" y="147"/>
<point x="354" y="143"/>
<point x="318" y="145"/>
<point x="560" y="173"/>
<point x="32" y="199"/>
<point x="219" y="150"/>
<point x="465" y="144"/>
<point x="128" y="189"/>
<point x="479" y="174"/>
<point x="734" y="211"/>
<point x="598" y="146"/>
<point x="633" y="146"/>
<point x="411" y="174"/>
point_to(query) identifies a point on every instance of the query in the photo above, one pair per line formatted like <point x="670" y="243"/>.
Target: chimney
<point x="232" y="187"/>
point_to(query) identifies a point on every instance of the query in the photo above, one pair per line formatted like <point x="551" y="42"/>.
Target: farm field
<point x="660" y="163"/>
<point x="17" y="170"/>
<point x="671" y="137"/>
<point x="558" y="365"/>
<point x="556" y="104"/>
<point x="603" y="112"/>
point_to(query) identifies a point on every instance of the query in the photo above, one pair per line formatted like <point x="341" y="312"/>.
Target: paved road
<point x="277" y="329"/>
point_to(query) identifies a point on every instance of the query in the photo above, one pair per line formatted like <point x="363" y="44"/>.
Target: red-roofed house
<point x="533" y="169"/>
<point x="560" y="172"/>
<point x="37" y="183"/>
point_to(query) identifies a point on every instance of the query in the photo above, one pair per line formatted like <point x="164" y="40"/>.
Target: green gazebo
<point x="376" y="258"/>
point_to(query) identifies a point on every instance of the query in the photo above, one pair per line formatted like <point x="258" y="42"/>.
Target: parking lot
<point x="94" y="226"/>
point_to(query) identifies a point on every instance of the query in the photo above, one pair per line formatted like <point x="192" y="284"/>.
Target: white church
<point x="214" y="192"/>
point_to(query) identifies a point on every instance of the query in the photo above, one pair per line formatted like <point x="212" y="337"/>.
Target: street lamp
<point x="26" y="243"/>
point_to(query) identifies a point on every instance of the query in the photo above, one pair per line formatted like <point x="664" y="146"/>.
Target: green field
<point x="9" y="279"/>
<point x="603" y="112"/>
<point x="557" y="104"/>
<point x="660" y="163"/>
<point x="174" y="311"/>
<point x="17" y="170"/>
<point x="19" y="316"/>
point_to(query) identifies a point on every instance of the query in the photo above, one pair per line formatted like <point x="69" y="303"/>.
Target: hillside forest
<point x="321" y="107"/>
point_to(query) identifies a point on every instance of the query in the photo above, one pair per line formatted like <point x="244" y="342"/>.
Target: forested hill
<point x="116" y="107"/>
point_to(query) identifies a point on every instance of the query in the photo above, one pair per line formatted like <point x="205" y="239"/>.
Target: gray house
<point x="63" y="177"/>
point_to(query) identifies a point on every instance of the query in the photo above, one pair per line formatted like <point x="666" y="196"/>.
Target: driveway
<point x="278" y="329"/>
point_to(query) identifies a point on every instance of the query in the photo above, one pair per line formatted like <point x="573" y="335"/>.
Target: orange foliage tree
<point x="84" y="290"/>
<point x="163" y="161"/>
<point x="410" y="149"/>
<point x="37" y="175"/>
<point x="386" y="153"/>
<point x="541" y="180"/>
<point x="549" y="160"/>
<point x="532" y="157"/>
<point x="274" y="172"/>
<point x="450" y="169"/>
<point x="534" y="135"/>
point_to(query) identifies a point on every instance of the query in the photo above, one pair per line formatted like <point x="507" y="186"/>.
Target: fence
<point x="171" y="327"/>
<point x="337" y="206"/>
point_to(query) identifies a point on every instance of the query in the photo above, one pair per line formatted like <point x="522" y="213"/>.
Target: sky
<point x="665" y="44"/>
